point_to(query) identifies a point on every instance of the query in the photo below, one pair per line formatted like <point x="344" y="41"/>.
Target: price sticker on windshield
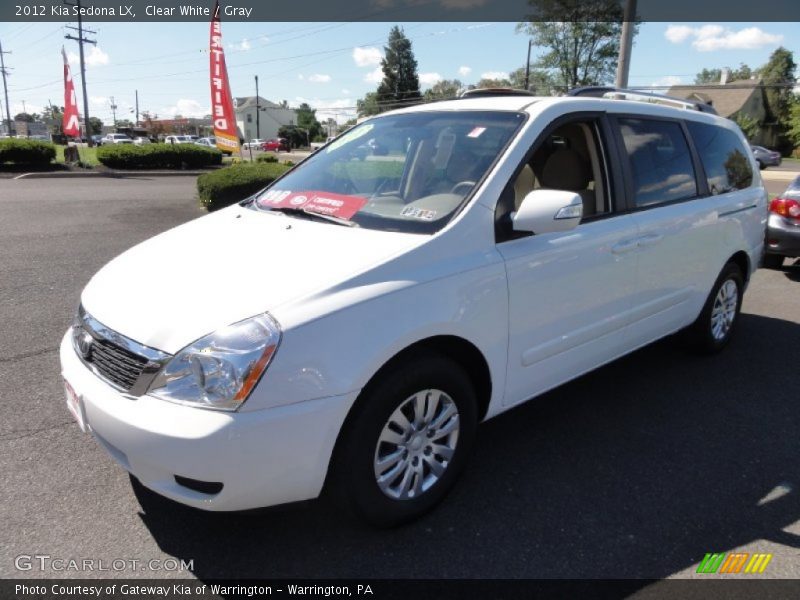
<point x="324" y="203"/>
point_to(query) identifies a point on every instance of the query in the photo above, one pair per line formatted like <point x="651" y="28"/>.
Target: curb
<point x="113" y="174"/>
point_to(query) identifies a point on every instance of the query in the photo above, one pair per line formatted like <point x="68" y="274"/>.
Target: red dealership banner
<point x="71" y="120"/>
<point x="221" y="102"/>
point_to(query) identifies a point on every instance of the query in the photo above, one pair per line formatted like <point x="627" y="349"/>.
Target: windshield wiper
<point x="288" y="210"/>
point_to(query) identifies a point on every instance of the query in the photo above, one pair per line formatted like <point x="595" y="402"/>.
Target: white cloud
<point x="94" y="58"/>
<point x="243" y="46"/>
<point x="429" y="78"/>
<point x="186" y="108"/>
<point x="464" y="71"/>
<point x="375" y="76"/>
<point x="367" y="57"/>
<point x="17" y="107"/>
<point x="319" y="78"/>
<point x="669" y="80"/>
<point x="98" y="100"/>
<point x="345" y="91"/>
<point x="494" y="75"/>
<point x="715" y="37"/>
<point x="678" y="33"/>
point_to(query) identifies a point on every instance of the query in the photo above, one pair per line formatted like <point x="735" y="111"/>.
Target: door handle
<point x="623" y="247"/>
<point x="651" y="239"/>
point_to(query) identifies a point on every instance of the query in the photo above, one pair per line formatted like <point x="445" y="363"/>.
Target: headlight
<point x="220" y="370"/>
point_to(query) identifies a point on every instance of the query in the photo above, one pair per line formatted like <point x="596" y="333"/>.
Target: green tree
<point x="25" y="117"/>
<point x="54" y="117"/>
<point x="712" y="76"/>
<point x="443" y="90"/>
<point x="749" y="126"/>
<point x="400" y="84"/>
<point x="778" y="76"/>
<point x="307" y="119"/>
<point x="295" y="135"/>
<point x="581" y="39"/>
<point x="95" y="126"/>
<point x="539" y="81"/>
<point x="368" y="105"/>
<point x="793" y="129"/>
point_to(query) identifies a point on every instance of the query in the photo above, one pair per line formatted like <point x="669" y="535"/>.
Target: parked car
<point x="97" y="140"/>
<point x="276" y="145"/>
<point x="766" y="158"/>
<point x="517" y="243"/>
<point x="141" y="140"/>
<point x="208" y="142"/>
<point x="783" y="227"/>
<point x="115" y="138"/>
<point x="178" y="139"/>
<point x="254" y="144"/>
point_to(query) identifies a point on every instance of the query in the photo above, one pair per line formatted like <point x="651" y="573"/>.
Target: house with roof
<point x="732" y="99"/>
<point x="271" y="117"/>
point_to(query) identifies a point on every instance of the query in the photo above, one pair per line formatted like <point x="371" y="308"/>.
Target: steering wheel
<point x="460" y="184"/>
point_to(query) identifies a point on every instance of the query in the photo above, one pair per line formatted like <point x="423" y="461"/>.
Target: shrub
<point x="158" y="156"/>
<point x="230" y="185"/>
<point x="267" y="158"/>
<point x="26" y="152"/>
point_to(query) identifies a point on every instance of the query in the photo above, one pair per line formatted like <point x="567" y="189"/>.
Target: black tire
<point x="761" y="165"/>
<point x="700" y="334"/>
<point x="773" y="261"/>
<point x="353" y="477"/>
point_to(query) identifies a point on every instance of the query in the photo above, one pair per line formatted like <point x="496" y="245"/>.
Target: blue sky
<point x="331" y="65"/>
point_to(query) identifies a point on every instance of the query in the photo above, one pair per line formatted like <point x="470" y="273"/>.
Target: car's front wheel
<point x="407" y="440"/>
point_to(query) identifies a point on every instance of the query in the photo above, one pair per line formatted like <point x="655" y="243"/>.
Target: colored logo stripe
<point x="735" y="561"/>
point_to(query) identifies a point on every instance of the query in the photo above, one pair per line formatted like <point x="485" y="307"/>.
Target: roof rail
<point x="484" y="92"/>
<point x="604" y="92"/>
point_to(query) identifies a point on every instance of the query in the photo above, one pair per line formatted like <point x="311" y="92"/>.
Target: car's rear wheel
<point x="761" y="165"/>
<point x="773" y="261"/>
<point x="713" y="329"/>
<point x="407" y="440"/>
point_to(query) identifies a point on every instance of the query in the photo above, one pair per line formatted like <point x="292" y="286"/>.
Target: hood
<point x="219" y="269"/>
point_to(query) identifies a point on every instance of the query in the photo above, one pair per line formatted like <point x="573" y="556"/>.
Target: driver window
<point x="570" y="158"/>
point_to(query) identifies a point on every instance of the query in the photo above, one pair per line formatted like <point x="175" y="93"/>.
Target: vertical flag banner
<point x="221" y="102"/>
<point x="71" y="121"/>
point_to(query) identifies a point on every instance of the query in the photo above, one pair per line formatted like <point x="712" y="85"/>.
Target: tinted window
<point x="660" y="161"/>
<point x="724" y="158"/>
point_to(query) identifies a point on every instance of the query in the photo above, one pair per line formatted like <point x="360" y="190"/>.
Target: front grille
<point x="118" y="365"/>
<point x="124" y="363"/>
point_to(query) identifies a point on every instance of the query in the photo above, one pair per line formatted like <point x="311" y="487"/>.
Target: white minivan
<point x="349" y="326"/>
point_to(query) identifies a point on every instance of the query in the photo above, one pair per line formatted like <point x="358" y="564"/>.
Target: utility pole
<point x="137" y="108"/>
<point x="113" y="111"/>
<point x="81" y="41"/>
<point x="528" y="66"/>
<point x="624" y="60"/>
<point x="258" y="113"/>
<point x="5" y="73"/>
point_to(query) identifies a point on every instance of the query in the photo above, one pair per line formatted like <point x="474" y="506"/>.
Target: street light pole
<point x="81" y="41"/>
<point x="4" y="71"/>
<point x="528" y="66"/>
<point x="624" y="60"/>
<point x="258" y="114"/>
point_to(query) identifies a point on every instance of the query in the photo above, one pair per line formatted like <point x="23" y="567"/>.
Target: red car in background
<point x="275" y="145"/>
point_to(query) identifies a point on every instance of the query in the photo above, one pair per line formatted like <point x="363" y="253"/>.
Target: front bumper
<point x="783" y="236"/>
<point x="262" y="458"/>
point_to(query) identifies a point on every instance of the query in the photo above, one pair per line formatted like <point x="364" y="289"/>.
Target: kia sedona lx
<point x="350" y="325"/>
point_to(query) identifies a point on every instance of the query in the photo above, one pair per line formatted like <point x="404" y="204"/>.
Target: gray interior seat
<point x="565" y="169"/>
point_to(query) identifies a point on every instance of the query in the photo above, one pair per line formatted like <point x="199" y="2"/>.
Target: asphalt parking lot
<point x="633" y="471"/>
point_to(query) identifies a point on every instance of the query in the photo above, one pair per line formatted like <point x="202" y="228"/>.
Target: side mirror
<point x="546" y="211"/>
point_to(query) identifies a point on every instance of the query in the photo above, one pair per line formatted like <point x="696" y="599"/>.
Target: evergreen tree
<point x="400" y="85"/>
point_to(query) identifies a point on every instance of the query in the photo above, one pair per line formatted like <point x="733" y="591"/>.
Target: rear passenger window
<point x="660" y="162"/>
<point x="723" y="156"/>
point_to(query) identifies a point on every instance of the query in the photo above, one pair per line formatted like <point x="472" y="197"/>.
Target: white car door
<point x="679" y="234"/>
<point x="569" y="292"/>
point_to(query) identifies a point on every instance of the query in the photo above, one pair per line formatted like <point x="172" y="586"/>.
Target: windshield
<point x="408" y="172"/>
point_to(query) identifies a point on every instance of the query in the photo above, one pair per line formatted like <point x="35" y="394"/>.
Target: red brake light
<point x="785" y="207"/>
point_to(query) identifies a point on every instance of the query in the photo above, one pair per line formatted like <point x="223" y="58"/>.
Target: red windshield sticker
<point x="324" y="203"/>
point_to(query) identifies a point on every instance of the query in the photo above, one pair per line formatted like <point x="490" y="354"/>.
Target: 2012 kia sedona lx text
<point x="351" y="324"/>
